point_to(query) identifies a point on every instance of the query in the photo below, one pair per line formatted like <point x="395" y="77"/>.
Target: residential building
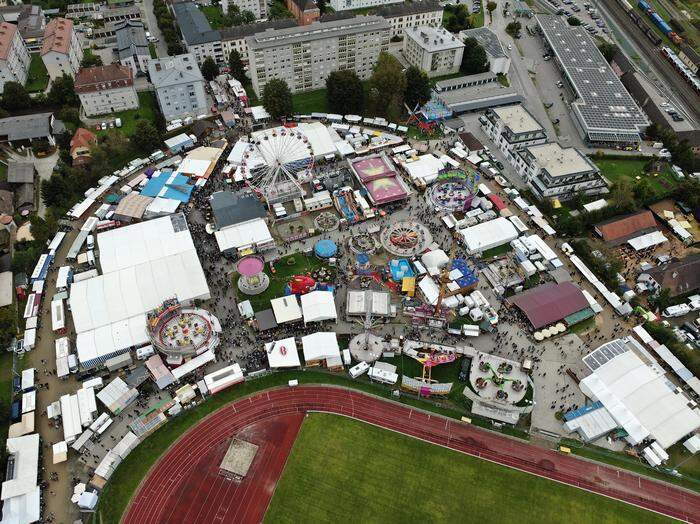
<point x="411" y="14"/>
<point x="61" y="50"/>
<point x="21" y="177"/>
<point x="106" y="89"/>
<point x="235" y="38"/>
<point x="512" y="128"/>
<point x="433" y="50"/>
<point x="117" y="14"/>
<point x="198" y="36"/>
<point x="132" y="47"/>
<point x="305" y="56"/>
<point x="179" y="86"/>
<point x="83" y="10"/>
<point x="14" y="57"/>
<point x="19" y="130"/>
<point x="305" y="11"/>
<point x="620" y="229"/>
<point x="30" y="21"/>
<point x="344" y="5"/>
<point x="681" y="277"/>
<point x="257" y="7"/>
<point x="553" y="171"/>
<point x="605" y="113"/>
<point x="80" y="146"/>
<point x="499" y="61"/>
<point x="475" y="93"/>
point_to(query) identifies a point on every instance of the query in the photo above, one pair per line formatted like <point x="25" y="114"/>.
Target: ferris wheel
<point x="276" y="158"/>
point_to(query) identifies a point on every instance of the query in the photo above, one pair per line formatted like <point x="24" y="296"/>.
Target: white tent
<point x="87" y="500"/>
<point x="646" y="241"/>
<point x="320" y="346"/>
<point x="426" y="168"/>
<point x="488" y="235"/>
<point x="21" y="496"/>
<point x="282" y="353"/>
<point x="317" y="306"/>
<point x="435" y="260"/>
<point x="286" y="309"/>
<point x="60" y="452"/>
<point x="248" y="234"/>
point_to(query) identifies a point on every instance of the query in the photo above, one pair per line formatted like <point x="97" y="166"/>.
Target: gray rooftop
<point x="26" y="127"/>
<point x="243" y="31"/>
<point x="487" y="39"/>
<point x="603" y="106"/>
<point x="131" y="39"/>
<point x="433" y="39"/>
<point x="483" y="96"/>
<point x="409" y="8"/>
<point x="465" y="81"/>
<point x="234" y="208"/>
<point x="193" y="25"/>
<point x="20" y="172"/>
<point x="561" y="161"/>
<point x="174" y="70"/>
<point x="316" y="31"/>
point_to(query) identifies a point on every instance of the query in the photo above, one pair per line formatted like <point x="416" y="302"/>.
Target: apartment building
<point x="257" y="7"/>
<point x="132" y="47"/>
<point x="14" y="57"/>
<point x="30" y="21"/>
<point x="433" y="50"/>
<point x="553" y="171"/>
<point x="305" y="11"/>
<point x="512" y="128"/>
<point x="305" y="56"/>
<point x="106" y="89"/>
<point x="344" y="5"/>
<point x="61" y="50"/>
<point x="235" y="38"/>
<point x="413" y="14"/>
<point x="179" y="86"/>
<point x="197" y="35"/>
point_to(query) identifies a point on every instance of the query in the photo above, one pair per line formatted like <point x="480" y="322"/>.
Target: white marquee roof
<point x="289" y="359"/>
<point x="320" y="345"/>
<point x="318" y="306"/>
<point x="286" y="309"/>
<point x="241" y="235"/>
<point x="487" y="235"/>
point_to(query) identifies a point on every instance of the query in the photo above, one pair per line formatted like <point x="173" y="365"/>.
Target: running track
<point x="160" y="499"/>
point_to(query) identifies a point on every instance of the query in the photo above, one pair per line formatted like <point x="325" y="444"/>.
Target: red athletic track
<point x="160" y="498"/>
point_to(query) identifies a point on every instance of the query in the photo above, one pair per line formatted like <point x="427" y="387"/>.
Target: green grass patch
<point x="434" y="80"/>
<point x="146" y="111"/>
<point x="342" y="468"/>
<point x="503" y="80"/>
<point x="496" y="251"/>
<point x="38" y="76"/>
<point x="5" y="397"/>
<point x="214" y="15"/>
<point x="309" y="102"/>
<point x="152" y="50"/>
<point x="285" y="268"/>
<point x="618" y="168"/>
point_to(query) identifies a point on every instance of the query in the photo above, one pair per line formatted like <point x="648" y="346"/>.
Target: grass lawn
<point x="214" y="15"/>
<point x="38" y="77"/>
<point x="5" y="397"/>
<point x="615" y="169"/>
<point x="152" y="50"/>
<point x="146" y="111"/>
<point x="342" y="469"/>
<point x="310" y="102"/>
<point x="496" y="251"/>
<point x="284" y="270"/>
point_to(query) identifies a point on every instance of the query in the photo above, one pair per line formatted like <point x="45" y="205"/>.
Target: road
<point x="152" y="23"/>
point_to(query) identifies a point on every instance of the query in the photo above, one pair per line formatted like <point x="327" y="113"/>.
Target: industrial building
<point x="475" y="93"/>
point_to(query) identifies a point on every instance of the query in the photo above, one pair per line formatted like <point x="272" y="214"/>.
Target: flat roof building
<point x="293" y="54"/>
<point x="512" y="128"/>
<point x="475" y="93"/>
<point x="433" y="50"/>
<point x="605" y="112"/>
<point x="499" y="61"/>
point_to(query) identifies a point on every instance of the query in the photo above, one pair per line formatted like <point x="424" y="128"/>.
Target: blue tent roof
<point x="362" y="258"/>
<point x="167" y="185"/>
<point x="468" y="277"/>
<point x="325" y="248"/>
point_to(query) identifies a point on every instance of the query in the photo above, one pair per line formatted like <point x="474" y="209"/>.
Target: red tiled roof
<point x="103" y="78"/>
<point x="82" y="138"/>
<point x="7" y="33"/>
<point x="57" y="36"/>
<point x="624" y="227"/>
<point x="550" y="303"/>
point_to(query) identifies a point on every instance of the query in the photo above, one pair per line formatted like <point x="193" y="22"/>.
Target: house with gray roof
<point x="179" y="86"/>
<point x="198" y="36"/>
<point x="20" y="172"/>
<point x="132" y="47"/>
<point x="27" y="128"/>
<point x="499" y="61"/>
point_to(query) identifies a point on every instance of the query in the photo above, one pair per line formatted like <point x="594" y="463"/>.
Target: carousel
<point x="179" y="331"/>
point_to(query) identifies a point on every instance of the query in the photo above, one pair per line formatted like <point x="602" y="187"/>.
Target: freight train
<point x="640" y="22"/>
<point x="659" y="22"/>
<point x="682" y="69"/>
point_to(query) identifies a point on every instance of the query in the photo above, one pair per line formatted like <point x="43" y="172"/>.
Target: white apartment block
<point x="552" y="171"/>
<point x="235" y="38"/>
<point x="512" y="128"/>
<point x="179" y="86"/>
<point x="61" y="50"/>
<point x="305" y="56"/>
<point x="257" y="7"/>
<point x="106" y="89"/>
<point x="344" y="5"/>
<point x="14" y="57"/>
<point x="433" y="50"/>
<point x="414" y="14"/>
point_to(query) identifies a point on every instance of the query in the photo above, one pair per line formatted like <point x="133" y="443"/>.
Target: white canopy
<point x="286" y="309"/>
<point x="60" y="452"/>
<point x="426" y="167"/>
<point x="317" y="306"/>
<point x="282" y="353"/>
<point x="488" y="235"/>
<point x="252" y="233"/>
<point x="646" y="241"/>
<point x="320" y="346"/>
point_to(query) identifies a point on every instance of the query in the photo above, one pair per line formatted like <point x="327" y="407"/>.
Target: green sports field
<point x="341" y="470"/>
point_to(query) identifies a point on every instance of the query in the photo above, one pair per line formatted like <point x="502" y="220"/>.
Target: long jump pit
<point x="216" y="475"/>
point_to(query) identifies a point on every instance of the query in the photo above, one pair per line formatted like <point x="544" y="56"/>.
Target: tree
<point x="622" y="196"/>
<point x="608" y="50"/>
<point x="278" y="10"/>
<point x="474" y="59"/>
<point x="70" y="114"/>
<point x="344" y="92"/>
<point x="491" y="7"/>
<point x="209" y="69"/>
<point x="146" y="137"/>
<point x="573" y="21"/>
<point x="387" y="86"/>
<point x="417" y="87"/>
<point x="62" y="92"/>
<point x="661" y="300"/>
<point x="15" y="97"/>
<point x="90" y="59"/>
<point x="321" y="4"/>
<point x="236" y="66"/>
<point x="643" y="191"/>
<point x="457" y="18"/>
<point x="513" y="29"/>
<point x="277" y="98"/>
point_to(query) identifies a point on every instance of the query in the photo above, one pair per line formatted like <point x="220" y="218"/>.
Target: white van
<point x="145" y="352"/>
<point x="91" y="242"/>
<point x="72" y="363"/>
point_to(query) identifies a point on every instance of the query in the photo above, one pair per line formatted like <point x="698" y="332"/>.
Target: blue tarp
<point x="325" y="248"/>
<point x="400" y="269"/>
<point x="469" y="277"/>
<point x="571" y="415"/>
<point x="167" y="185"/>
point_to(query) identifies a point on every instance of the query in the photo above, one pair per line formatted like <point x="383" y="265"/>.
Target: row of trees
<point x="386" y="92"/>
<point x="167" y="26"/>
<point x="15" y="97"/>
<point x="681" y="152"/>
